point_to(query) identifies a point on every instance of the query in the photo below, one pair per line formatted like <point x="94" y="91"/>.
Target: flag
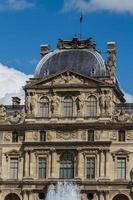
<point x="81" y="18"/>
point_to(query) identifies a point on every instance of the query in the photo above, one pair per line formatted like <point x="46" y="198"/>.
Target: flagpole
<point x="81" y="19"/>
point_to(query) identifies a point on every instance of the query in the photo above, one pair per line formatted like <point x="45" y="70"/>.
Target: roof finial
<point x="81" y="19"/>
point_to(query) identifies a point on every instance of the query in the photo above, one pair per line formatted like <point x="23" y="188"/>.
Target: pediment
<point x="12" y="152"/>
<point x="66" y="77"/>
<point x="121" y="152"/>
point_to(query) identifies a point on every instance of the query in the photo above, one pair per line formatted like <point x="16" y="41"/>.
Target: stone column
<point x="25" y="195"/>
<point x="107" y="195"/>
<point x="27" y="163"/>
<point x="102" y="164"/>
<point x="80" y="164"/>
<point x="101" y="195"/>
<point x="53" y="163"/>
<point x="96" y="197"/>
<point x="32" y="164"/>
<point x="107" y="164"/>
<point x="30" y="195"/>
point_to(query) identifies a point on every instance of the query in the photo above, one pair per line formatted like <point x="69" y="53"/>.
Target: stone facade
<point x="73" y="127"/>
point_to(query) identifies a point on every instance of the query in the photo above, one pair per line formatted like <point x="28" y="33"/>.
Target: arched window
<point x="44" y="107"/>
<point x="121" y="136"/>
<point x="42" y="136"/>
<point x="92" y="106"/>
<point x="68" y="106"/>
<point x="67" y="165"/>
<point x="12" y="196"/>
<point x="14" y="136"/>
<point x="120" y="197"/>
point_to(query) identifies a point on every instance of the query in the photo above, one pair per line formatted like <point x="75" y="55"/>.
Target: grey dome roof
<point x="84" y="60"/>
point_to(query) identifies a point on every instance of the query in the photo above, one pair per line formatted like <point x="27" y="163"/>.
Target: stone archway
<point x="12" y="196"/>
<point x="120" y="197"/>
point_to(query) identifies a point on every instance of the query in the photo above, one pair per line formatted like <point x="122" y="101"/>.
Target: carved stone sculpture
<point x="30" y="103"/>
<point x="105" y="103"/>
<point x="55" y="101"/>
<point x="122" y="116"/>
<point x="17" y="117"/>
<point x="2" y="113"/>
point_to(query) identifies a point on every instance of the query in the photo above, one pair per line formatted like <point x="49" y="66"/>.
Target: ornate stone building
<point x="75" y="126"/>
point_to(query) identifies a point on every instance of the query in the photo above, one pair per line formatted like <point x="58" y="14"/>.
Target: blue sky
<point x="25" y="25"/>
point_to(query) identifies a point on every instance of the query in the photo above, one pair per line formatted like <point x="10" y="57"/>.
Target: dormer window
<point x="121" y="136"/>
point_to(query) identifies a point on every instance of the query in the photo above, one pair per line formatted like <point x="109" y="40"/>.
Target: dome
<point x="80" y="57"/>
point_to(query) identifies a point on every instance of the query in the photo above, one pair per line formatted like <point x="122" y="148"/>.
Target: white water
<point x="63" y="191"/>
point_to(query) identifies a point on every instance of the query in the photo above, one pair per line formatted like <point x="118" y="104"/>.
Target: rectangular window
<point x="91" y="167"/>
<point x="42" y="167"/>
<point x="14" y="168"/>
<point x="121" y="168"/>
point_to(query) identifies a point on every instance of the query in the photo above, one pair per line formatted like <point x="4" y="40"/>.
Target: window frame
<point x="44" y="107"/>
<point x="44" y="168"/>
<point x="121" y="135"/>
<point x="11" y="174"/>
<point x="87" y="168"/>
<point x="90" y="136"/>
<point x="91" y="106"/>
<point x="122" y="177"/>
<point x="15" y="136"/>
<point x="68" y="106"/>
<point x="67" y="167"/>
<point x="42" y="139"/>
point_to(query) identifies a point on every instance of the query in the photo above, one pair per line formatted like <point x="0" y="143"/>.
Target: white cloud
<point x="15" y="4"/>
<point x="11" y="82"/>
<point x="128" y="97"/>
<point x="95" y="5"/>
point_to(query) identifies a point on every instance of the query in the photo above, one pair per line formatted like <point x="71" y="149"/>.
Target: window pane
<point x="91" y="136"/>
<point x="14" y="136"/>
<point x="121" y="136"/>
<point x="42" y="136"/>
<point x="44" y="107"/>
<point x="121" y="168"/>
<point x="42" y="167"/>
<point x="68" y="107"/>
<point x="14" y="168"/>
<point x="67" y="166"/>
<point x="92" y="106"/>
<point x="91" y="167"/>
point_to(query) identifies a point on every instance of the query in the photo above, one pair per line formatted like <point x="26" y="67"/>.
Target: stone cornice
<point x="73" y="125"/>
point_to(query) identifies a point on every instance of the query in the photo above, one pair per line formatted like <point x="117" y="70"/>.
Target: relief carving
<point x="66" y="135"/>
<point x="113" y="136"/>
<point x="35" y="136"/>
<point x="122" y="116"/>
<point x="7" y="137"/>
<point x="49" y="136"/>
<point x="83" y="135"/>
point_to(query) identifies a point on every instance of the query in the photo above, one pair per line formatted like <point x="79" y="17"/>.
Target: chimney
<point x="45" y="49"/>
<point x="111" y="63"/>
<point x="16" y="101"/>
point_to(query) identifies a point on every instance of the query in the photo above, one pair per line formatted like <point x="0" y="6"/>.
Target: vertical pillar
<point x="107" y="164"/>
<point x="32" y="164"/>
<point x="107" y="195"/>
<point x="25" y="195"/>
<point x="80" y="164"/>
<point x="102" y="163"/>
<point x="53" y="163"/>
<point x="101" y="195"/>
<point x="27" y="161"/>
<point x="30" y="195"/>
